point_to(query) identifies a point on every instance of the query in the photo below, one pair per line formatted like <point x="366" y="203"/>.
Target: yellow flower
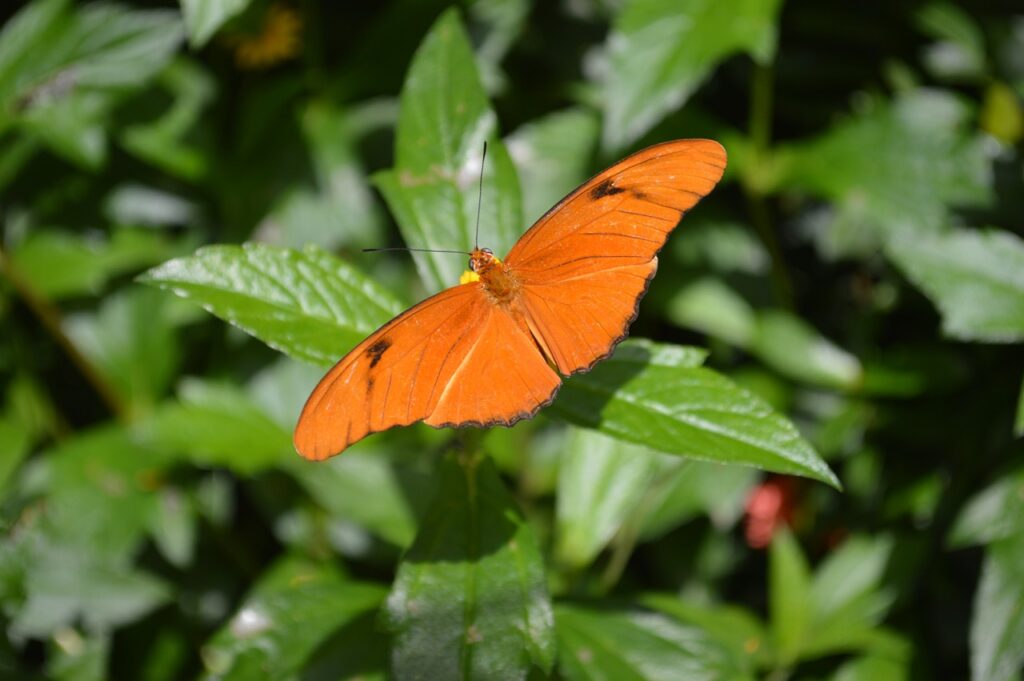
<point x="278" y="40"/>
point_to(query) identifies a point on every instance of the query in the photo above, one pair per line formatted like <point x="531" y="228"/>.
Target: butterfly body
<point x="500" y="282"/>
<point x="556" y="305"/>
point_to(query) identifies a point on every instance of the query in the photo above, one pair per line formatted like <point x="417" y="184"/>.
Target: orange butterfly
<point x="486" y="352"/>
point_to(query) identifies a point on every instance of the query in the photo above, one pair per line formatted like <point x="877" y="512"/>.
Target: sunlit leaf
<point x="307" y="304"/>
<point x="432" y="190"/>
<point x="975" y="278"/>
<point x="661" y="50"/>
<point x="294" y="608"/>
<point x="660" y="396"/>
<point x="470" y="600"/>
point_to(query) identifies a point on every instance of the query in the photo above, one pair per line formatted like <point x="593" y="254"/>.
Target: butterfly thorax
<point x="495" y="275"/>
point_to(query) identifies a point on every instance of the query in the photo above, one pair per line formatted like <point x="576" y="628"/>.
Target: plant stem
<point x="49" y="316"/>
<point x="760" y="130"/>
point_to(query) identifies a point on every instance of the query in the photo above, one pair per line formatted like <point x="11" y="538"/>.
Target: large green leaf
<point x="660" y="396"/>
<point x="975" y="278"/>
<point x="661" y="50"/>
<point x="204" y="17"/>
<point x="307" y="304"/>
<point x="432" y="189"/>
<point x="294" y="608"/>
<point x="895" y="169"/>
<point x="469" y="600"/>
<point x="997" y="625"/>
<point x="603" y="644"/>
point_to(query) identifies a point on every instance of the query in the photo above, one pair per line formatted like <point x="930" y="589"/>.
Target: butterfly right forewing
<point x="585" y="265"/>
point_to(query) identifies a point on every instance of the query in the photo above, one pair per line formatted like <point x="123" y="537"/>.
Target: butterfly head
<point x="482" y="259"/>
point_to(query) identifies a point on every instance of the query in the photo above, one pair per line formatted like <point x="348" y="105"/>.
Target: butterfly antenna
<point x="480" y="198"/>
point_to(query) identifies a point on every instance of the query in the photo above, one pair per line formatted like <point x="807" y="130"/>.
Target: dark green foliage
<point x="806" y="464"/>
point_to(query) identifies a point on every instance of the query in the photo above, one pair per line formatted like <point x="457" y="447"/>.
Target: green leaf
<point x="294" y="608"/>
<point x="993" y="514"/>
<point x="597" y="643"/>
<point x="132" y="340"/>
<point x="600" y="481"/>
<point x="469" y="600"/>
<point x="896" y="169"/>
<point x="659" y="396"/>
<point x="661" y="50"/>
<point x="218" y="425"/>
<point x="442" y="125"/>
<point x="203" y="18"/>
<point x="975" y="277"/>
<point x="308" y="304"/>
<point x="997" y="624"/>
<point x="552" y="154"/>
<point x="790" y="585"/>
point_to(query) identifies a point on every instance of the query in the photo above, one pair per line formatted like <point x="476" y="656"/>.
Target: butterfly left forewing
<point x="455" y="359"/>
<point x="585" y="265"/>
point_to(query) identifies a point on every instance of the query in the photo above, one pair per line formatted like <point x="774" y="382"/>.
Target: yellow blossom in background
<point x="278" y="40"/>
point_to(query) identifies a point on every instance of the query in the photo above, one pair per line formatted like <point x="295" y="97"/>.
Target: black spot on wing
<point x="606" y="188"/>
<point x="376" y="351"/>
